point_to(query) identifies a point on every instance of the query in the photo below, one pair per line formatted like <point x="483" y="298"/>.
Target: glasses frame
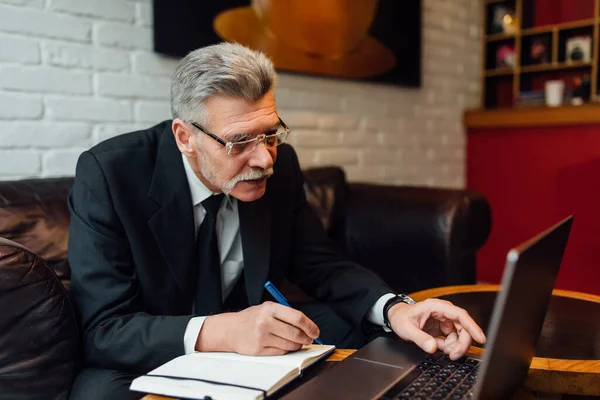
<point x="229" y="145"/>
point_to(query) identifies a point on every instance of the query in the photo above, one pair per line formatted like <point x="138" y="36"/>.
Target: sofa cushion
<point x="34" y="214"/>
<point x="325" y="189"/>
<point x="39" y="339"/>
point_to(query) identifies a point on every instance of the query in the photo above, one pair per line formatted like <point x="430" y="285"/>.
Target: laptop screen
<point x="519" y="311"/>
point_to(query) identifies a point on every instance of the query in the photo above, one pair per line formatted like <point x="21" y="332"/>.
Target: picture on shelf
<point x="579" y="49"/>
<point x="539" y="52"/>
<point x="505" y="56"/>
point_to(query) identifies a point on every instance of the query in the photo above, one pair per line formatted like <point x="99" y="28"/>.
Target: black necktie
<point x="208" y="289"/>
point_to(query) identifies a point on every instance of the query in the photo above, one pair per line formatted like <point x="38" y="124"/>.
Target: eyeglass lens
<point x="249" y="145"/>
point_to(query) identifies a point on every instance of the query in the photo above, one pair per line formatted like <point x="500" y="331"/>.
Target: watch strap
<point x="399" y="298"/>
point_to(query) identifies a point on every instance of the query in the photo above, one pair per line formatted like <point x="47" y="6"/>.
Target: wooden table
<point x="567" y="357"/>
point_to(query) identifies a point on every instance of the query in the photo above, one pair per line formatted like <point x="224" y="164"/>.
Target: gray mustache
<point x="254" y="174"/>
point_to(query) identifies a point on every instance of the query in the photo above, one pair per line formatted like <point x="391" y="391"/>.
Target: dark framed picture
<point x="371" y="40"/>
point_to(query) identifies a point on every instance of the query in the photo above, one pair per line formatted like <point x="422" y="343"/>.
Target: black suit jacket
<point x="132" y="249"/>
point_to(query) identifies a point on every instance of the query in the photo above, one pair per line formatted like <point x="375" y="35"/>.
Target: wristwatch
<point x="399" y="298"/>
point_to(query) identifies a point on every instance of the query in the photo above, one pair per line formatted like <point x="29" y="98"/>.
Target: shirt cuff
<point x="190" y="337"/>
<point x="375" y="313"/>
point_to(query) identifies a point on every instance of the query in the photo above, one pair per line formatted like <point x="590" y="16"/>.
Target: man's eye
<point x="239" y="138"/>
<point x="271" y="140"/>
<point x="241" y="145"/>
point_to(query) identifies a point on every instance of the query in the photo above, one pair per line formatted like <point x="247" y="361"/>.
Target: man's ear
<point x="184" y="137"/>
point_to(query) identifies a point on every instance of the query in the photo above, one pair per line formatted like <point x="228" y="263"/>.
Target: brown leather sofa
<point x="414" y="238"/>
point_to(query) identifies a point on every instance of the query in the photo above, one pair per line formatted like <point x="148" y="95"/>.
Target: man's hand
<point x="266" y="329"/>
<point x="424" y="322"/>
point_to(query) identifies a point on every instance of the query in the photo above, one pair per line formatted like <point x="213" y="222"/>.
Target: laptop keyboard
<point x="437" y="377"/>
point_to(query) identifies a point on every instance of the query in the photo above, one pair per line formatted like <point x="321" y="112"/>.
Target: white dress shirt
<point x="230" y="252"/>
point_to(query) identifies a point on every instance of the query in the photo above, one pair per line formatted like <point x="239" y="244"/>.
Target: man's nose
<point x="262" y="156"/>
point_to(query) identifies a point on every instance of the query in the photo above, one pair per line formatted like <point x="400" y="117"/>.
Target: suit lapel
<point x="173" y="224"/>
<point x="255" y="227"/>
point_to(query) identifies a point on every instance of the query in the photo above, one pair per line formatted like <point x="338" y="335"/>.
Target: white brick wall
<point x="68" y="55"/>
<point x="122" y="35"/>
<point x="76" y="72"/>
<point x="45" y="80"/>
<point x="107" y="9"/>
<point x="31" y="22"/>
<point x="22" y="50"/>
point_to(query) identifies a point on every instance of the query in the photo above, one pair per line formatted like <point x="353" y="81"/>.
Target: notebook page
<point x="268" y="373"/>
<point x="299" y="359"/>
<point x="243" y="372"/>
<point x="191" y="389"/>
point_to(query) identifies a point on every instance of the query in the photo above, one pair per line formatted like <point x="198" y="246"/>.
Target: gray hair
<point x="228" y="69"/>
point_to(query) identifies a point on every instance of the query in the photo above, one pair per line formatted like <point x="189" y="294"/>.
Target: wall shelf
<point x="499" y="36"/>
<point x="499" y="72"/>
<point x="564" y="26"/>
<point x="538" y="48"/>
<point x="554" y="67"/>
<point x="533" y="116"/>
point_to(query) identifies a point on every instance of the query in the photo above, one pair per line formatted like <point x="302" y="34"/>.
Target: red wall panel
<point x="504" y="96"/>
<point x="533" y="178"/>
<point x="549" y="12"/>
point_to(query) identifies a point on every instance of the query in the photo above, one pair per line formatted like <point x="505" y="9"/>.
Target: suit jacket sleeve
<point x="319" y="269"/>
<point x="117" y="333"/>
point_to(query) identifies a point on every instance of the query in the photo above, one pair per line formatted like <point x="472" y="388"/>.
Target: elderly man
<point x="175" y="230"/>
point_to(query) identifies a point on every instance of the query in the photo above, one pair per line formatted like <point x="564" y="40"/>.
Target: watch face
<point x="407" y="299"/>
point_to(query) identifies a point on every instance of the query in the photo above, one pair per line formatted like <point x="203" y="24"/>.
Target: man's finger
<point x="458" y="315"/>
<point x="441" y="344"/>
<point x="289" y="332"/>
<point x="275" y="341"/>
<point x="272" y="351"/>
<point x="447" y="327"/>
<point x="420" y="338"/>
<point x="445" y="344"/>
<point x="461" y="346"/>
<point x="451" y="339"/>
<point x="297" y="319"/>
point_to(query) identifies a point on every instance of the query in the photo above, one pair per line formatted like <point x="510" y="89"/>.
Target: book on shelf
<point x="228" y="375"/>
<point x="533" y="98"/>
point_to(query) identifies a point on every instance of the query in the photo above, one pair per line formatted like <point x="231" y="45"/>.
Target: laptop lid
<point x="519" y="311"/>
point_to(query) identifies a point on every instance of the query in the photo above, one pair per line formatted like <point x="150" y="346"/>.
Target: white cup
<point x="554" y="93"/>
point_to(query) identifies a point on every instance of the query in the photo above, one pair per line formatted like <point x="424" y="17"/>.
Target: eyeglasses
<point x="242" y="147"/>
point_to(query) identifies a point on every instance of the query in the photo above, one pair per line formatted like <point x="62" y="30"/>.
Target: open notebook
<point x="228" y="375"/>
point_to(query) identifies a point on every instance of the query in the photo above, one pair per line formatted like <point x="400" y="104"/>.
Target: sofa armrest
<point x="414" y="237"/>
<point x="39" y="356"/>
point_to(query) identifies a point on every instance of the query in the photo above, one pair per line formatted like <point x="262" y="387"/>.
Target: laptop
<point x="390" y="368"/>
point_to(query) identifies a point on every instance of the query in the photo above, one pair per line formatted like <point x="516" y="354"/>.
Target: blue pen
<point x="281" y="300"/>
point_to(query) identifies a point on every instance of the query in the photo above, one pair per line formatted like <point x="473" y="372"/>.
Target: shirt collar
<point x="198" y="190"/>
